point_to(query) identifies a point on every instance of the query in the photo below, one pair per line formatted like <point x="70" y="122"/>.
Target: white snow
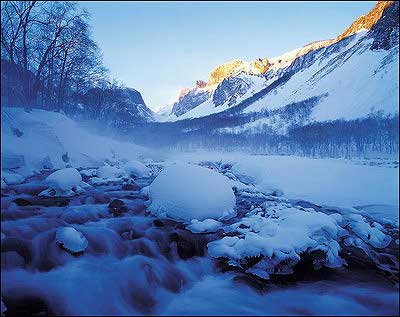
<point x="356" y="87"/>
<point x="11" y="178"/>
<point x="207" y="225"/>
<point x="186" y="191"/>
<point x="359" y="83"/>
<point x="372" y="235"/>
<point x="137" y="169"/>
<point x="281" y="238"/>
<point x="331" y="182"/>
<point x="107" y="171"/>
<point x="145" y="191"/>
<point x="49" y="135"/>
<point x="89" y="172"/>
<point x="71" y="239"/>
<point x="65" y="182"/>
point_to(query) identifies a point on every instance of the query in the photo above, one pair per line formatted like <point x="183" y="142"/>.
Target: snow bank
<point x="47" y="136"/>
<point x="64" y="182"/>
<point x="71" y="239"/>
<point x="331" y="182"/>
<point x="136" y="169"/>
<point x="186" y="191"/>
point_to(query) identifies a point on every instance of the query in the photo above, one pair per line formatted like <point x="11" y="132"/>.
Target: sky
<point x="159" y="48"/>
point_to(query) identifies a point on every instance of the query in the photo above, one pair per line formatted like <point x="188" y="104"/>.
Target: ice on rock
<point x="109" y="172"/>
<point x="370" y="235"/>
<point x="89" y="172"/>
<point x="145" y="191"/>
<point x="186" y="191"/>
<point x="11" y="178"/>
<point x="71" y="239"/>
<point x="207" y="225"/>
<point x="136" y="169"/>
<point x="280" y="238"/>
<point x="64" y="182"/>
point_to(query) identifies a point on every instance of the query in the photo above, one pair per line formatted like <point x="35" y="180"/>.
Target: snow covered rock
<point x="109" y="172"/>
<point x="11" y="178"/>
<point x="371" y="235"/>
<point x="136" y="169"/>
<point x="71" y="239"/>
<point x="64" y="182"/>
<point x="145" y="191"/>
<point x="207" y="225"/>
<point x="280" y="238"/>
<point x="89" y="172"/>
<point x="187" y="192"/>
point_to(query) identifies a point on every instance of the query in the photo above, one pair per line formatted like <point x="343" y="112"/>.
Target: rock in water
<point x="65" y="182"/>
<point x="71" y="239"/>
<point x="186" y="191"/>
<point x="117" y="207"/>
<point x="136" y="169"/>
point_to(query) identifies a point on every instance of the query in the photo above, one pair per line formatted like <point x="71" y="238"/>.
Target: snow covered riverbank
<point x="324" y="181"/>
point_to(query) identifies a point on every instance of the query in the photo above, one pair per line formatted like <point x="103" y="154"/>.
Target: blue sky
<point x="160" y="47"/>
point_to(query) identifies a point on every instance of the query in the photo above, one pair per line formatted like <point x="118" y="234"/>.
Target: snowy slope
<point x="356" y="72"/>
<point x="367" y="80"/>
<point x="47" y="136"/>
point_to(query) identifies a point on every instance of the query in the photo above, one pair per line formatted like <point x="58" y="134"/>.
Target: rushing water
<point x="137" y="264"/>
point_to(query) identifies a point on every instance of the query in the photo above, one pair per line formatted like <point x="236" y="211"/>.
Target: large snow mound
<point x="187" y="192"/>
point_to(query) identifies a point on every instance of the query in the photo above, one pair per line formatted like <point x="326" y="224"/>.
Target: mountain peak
<point x="365" y="22"/>
<point x="261" y="66"/>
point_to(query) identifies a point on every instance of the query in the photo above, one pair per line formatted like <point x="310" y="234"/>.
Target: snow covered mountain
<point x="353" y="75"/>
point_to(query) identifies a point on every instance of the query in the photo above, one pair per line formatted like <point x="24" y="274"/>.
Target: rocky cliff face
<point x="189" y="101"/>
<point x="230" y="90"/>
<point x="386" y="31"/>
<point x="259" y="66"/>
<point x="120" y="108"/>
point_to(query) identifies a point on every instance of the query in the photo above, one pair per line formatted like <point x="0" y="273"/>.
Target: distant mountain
<point x="335" y="97"/>
<point x="350" y="69"/>
<point x="119" y="107"/>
